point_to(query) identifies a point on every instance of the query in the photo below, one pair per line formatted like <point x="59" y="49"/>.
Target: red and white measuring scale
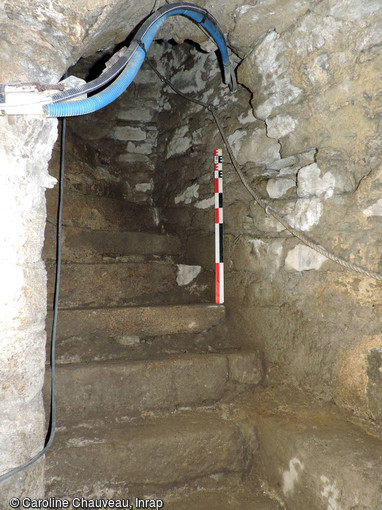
<point x="219" y="239"/>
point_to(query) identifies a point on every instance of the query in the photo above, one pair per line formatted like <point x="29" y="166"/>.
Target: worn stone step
<point x="129" y="388"/>
<point x="101" y="212"/>
<point x="85" y="245"/>
<point x="125" y="283"/>
<point x="311" y="454"/>
<point x="159" y="454"/>
<point x="96" y="348"/>
<point x="136" y="321"/>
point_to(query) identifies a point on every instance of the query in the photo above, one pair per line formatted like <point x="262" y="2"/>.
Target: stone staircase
<point x="155" y="398"/>
<point x="144" y="366"/>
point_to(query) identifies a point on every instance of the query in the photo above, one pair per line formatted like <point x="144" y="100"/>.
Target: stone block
<point x="136" y="114"/>
<point x="142" y="148"/>
<point x="87" y="246"/>
<point x="186" y="274"/>
<point x="113" y="284"/>
<point x="140" y="386"/>
<point x="142" y="321"/>
<point x="98" y="213"/>
<point x="305" y="213"/>
<point x="303" y="258"/>
<point x="253" y="145"/>
<point x="124" y="133"/>
<point x="276" y="188"/>
<point x="310" y="182"/>
<point x="180" y="142"/>
<point x="161" y="453"/>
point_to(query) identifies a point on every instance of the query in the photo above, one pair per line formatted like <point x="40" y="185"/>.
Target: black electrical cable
<point x="52" y="421"/>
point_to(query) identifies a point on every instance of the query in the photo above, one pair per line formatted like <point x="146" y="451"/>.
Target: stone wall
<point x="23" y="298"/>
<point x="25" y="149"/>
<point x="315" y="86"/>
<point x="113" y="152"/>
<point x="307" y="136"/>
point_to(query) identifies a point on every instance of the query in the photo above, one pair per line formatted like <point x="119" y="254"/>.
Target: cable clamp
<point x="141" y="45"/>
<point x="204" y="18"/>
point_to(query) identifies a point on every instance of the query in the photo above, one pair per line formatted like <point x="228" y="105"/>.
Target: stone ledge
<point x="310" y="454"/>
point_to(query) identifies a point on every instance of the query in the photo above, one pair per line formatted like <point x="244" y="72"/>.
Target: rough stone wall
<point x="316" y="88"/>
<point x="25" y="150"/>
<point x="113" y="151"/>
<point x="310" y="143"/>
<point x="23" y="298"/>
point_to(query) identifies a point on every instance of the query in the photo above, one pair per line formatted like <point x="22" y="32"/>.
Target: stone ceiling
<point x="42" y="38"/>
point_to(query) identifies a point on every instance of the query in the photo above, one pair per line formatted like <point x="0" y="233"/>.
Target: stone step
<point x="84" y="245"/>
<point x="135" y="321"/>
<point x="123" y="460"/>
<point x="125" y="283"/>
<point x="118" y="389"/>
<point x="96" y="348"/>
<point x="101" y="212"/>
<point x="311" y="454"/>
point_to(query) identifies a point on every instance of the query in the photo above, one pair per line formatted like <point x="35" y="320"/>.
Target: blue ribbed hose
<point x="109" y="94"/>
<point x="98" y="101"/>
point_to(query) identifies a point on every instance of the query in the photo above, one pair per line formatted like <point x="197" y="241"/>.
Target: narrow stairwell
<point x="157" y="402"/>
<point x="145" y="368"/>
<point x="157" y="398"/>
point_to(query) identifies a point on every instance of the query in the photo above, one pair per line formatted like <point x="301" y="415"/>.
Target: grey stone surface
<point x="161" y="454"/>
<point x="24" y="153"/>
<point x="118" y="284"/>
<point x="247" y="496"/>
<point x="150" y="385"/>
<point x="142" y="321"/>
<point x="311" y="455"/>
